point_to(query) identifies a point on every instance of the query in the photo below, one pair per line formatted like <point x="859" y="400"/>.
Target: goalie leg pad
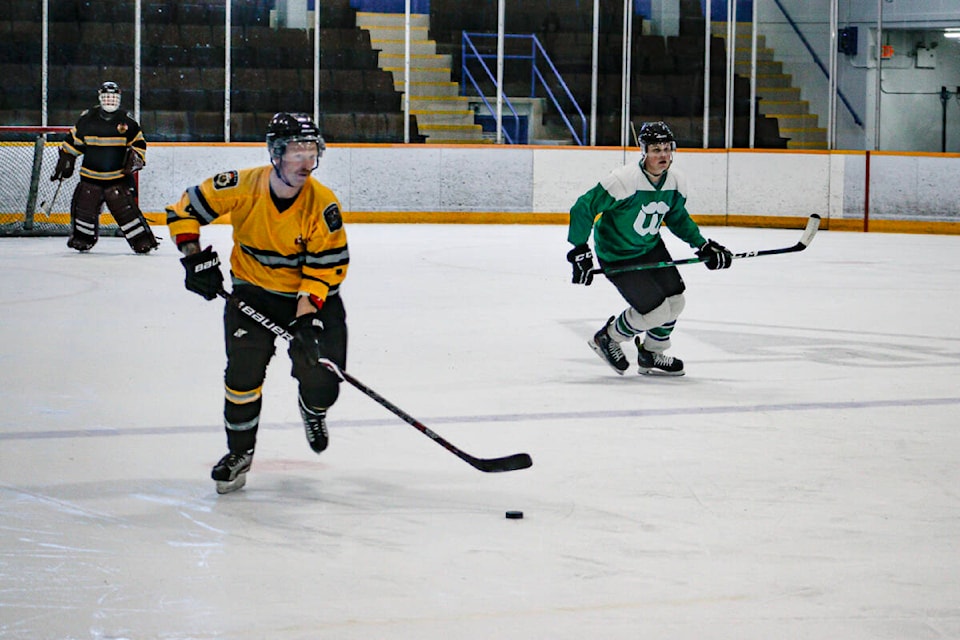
<point x="123" y="205"/>
<point x="85" y="216"/>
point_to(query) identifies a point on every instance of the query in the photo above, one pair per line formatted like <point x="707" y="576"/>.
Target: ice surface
<point x="801" y="481"/>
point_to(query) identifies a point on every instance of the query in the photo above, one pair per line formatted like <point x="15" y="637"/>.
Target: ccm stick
<point x="489" y="465"/>
<point x="813" y="223"/>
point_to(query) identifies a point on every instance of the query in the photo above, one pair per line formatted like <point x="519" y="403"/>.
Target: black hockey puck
<point x="514" y="515"/>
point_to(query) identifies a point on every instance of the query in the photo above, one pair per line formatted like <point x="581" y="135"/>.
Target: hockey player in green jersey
<point x="625" y="211"/>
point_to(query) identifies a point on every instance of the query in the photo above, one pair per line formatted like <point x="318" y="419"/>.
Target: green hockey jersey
<point x="625" y="211"/>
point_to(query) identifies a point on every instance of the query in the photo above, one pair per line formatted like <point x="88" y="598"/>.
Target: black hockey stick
<point x="49" y="207"/>
<point x="507" y="463"/>
<point x="813" y="223"/>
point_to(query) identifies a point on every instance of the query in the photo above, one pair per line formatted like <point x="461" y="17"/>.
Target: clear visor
<point x="110" y="102"/>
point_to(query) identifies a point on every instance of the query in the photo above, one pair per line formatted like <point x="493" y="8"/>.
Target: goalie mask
<point x="109" y="95"/>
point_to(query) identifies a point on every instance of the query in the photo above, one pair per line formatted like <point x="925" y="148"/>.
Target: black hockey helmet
<point x="656" y="133"/>
<point x="109" y="96"/>
<point x="285" y="128"/>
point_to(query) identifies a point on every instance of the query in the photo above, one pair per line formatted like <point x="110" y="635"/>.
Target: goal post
<point x="30" y="203"/>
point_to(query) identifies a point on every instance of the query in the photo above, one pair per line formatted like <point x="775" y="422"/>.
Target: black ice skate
<point x="80" y="245"/>
<point x="608" y="349"/>
<point x="315" y="426"/>
<point x="231" y="472"/>
<point x="657" y="364"/>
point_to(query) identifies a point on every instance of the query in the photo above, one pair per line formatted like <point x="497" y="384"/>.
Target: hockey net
<point x="30" y="204"/>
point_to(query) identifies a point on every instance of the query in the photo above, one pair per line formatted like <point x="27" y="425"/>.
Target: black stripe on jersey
<point x="332" y="289"/>
<point x="273" y="259"/>
<point x="202" y="211"/>
<point x="326" y="259"/>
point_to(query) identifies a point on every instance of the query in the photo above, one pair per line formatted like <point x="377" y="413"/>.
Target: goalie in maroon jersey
<point x="113" y="149"/>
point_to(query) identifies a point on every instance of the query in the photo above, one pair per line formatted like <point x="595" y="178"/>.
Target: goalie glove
<point x="581" y="257"/>
<point x="203" y="273"/>
<point x="306" y="348"/>
<point x="133" y="162"/>
<point x="64" y="168"/>
<point x="715" y="255"/>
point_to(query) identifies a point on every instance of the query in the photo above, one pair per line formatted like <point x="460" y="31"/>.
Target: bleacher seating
<point x="182" y="68"/>
<point x="667" y="73"/>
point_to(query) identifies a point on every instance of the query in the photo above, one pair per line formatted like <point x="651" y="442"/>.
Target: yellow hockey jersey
<point x="300" y="251"/>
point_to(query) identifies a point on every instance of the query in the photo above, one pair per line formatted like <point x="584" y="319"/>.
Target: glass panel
<point x="793" y="66"/>
<point x="20" y="55"/>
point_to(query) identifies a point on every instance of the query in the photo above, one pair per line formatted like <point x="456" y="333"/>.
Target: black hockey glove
<point x="64" y="168"/>
<point x="306" y="348"/>
<point x="715" y="255"/>
<point x="581" y="257"/>
<point x="203" y="273"/>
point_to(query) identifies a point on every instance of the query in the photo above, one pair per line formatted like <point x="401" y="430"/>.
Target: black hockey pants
<point x="250" y="347"/>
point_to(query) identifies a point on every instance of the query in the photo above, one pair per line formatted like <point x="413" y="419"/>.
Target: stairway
<point x="777" y="96"/>
<point x="442" y="114"/>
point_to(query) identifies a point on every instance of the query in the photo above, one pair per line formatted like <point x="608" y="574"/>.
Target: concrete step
<point x="417" y="47"/>
<point x="764" y="67"/>
<point x="804" y="134"/>
<point x="796" y="120"/>
<point x="779" y="94"/>
<point x="774" y="80"/>
<point x="773" y="107"/>
<point x="367" y="19"/>
<point x="451" y="133"/>
<point x="442" y="116"/>
<point x="743" y="54"/>
<point x="720" y="28"/>
<point x="439" y="103"/>
<point x="419" y="74"/>
<point x="442" y="60"/>
<point x="380" y="32"/>
<point x="430" y="89"/>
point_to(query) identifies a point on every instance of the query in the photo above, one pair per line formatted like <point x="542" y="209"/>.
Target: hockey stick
<point x="813" y="223"/>
<point x="506" y="463"/>
<point x="47" y="209"/>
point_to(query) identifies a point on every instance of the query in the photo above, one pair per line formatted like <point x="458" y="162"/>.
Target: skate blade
<point x="660" y="373"/>
<point x="597" y="350"/>
<point x="229" y="486"/>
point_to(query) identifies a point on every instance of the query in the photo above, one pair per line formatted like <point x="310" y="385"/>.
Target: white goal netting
<point x="30" y="204"/>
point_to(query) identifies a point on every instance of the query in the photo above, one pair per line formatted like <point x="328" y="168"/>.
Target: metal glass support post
<point x="406" y="72"/>
<point x="753" y="76"/>
<point x="500" y="28"/>
<point x="44" y="60"/>
<point x="731" y="65"/>
<point x="879" y="80"/>
<point x="707" y="28"/>
<point x="316" y="62"/>
<point x="594" y="70"/>
<point x="625" y="74"/>
<point x="137" y="57"/>
<point x="832" y="79"/>
<point x="228" y="38"/>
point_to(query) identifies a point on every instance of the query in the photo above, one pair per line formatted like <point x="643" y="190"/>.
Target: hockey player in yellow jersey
<point x="289" y="259"/>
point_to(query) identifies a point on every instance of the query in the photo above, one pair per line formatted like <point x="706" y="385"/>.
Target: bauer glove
<point x="715" y="255"/>
<point x="203" y="273"/>
<point x="306" y="348"/>
<point x="581" y="257"/>
<point x="64" y="168"/>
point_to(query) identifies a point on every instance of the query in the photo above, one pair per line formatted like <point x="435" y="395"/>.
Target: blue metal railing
<point x="537" y="52"/>
<point x="819" y="63"/>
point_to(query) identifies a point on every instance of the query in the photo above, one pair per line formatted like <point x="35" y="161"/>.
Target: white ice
<point x="801" y="481"/>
